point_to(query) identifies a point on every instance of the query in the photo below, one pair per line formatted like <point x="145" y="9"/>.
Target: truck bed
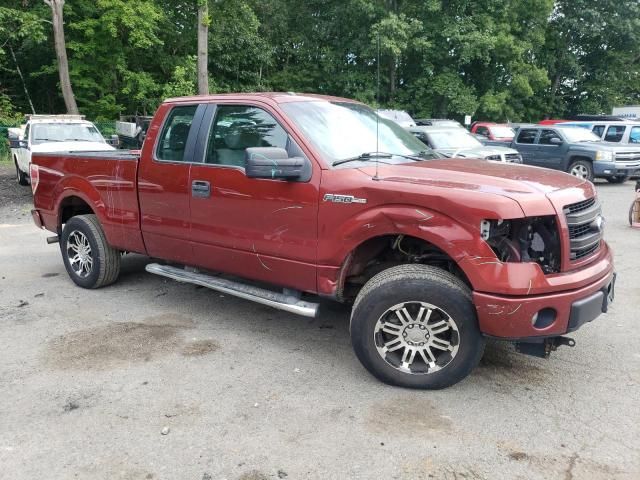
<point x="67" y="182"/>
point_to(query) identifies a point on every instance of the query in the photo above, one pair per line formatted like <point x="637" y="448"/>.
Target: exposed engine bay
<point x="533" y="239"/>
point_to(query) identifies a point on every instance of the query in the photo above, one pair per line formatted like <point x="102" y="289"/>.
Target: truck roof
<point x="274" y="97"/>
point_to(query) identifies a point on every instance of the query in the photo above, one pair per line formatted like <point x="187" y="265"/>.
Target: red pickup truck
<point x="283" y="198"/>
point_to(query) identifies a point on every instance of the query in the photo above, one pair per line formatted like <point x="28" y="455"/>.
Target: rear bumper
<point x="519" y="318"/>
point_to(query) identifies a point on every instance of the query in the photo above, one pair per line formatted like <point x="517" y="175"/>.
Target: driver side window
<point x="238" y="127"/>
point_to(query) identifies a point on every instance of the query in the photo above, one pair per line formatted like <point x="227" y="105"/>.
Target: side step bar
<point x="288" y="303"/>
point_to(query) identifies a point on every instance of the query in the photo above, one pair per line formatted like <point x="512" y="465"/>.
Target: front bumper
<point x="519" y="318"/>
<point x="612" y="169"/>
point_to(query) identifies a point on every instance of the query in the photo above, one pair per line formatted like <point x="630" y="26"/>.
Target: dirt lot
<point x="89" y="380"/>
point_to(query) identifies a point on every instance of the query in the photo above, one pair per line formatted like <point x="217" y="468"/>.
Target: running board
<point x="288" y="303"/>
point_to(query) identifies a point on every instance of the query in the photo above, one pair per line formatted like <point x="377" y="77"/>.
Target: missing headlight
<point x="533" y="239"/>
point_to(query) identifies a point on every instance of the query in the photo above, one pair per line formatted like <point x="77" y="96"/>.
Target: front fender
<point x="434" y="227"/>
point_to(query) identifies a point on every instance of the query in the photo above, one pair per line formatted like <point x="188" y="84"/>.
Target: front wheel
<point x="90" y="261"/>
<point x="581" y="169"/>
<point x="20" y="175"/>
<point x="415" y="326"/>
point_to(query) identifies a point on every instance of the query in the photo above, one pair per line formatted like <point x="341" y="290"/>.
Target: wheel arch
<point x="433" y="231"/>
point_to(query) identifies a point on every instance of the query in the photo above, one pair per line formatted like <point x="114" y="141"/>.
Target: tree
<point x="57" y="17"/>
<point x="203" y="47"/>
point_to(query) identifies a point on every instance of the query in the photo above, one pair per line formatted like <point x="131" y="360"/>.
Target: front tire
<point x="415" y="326"/>
<point x="90" y="261"/>
<point x="581" y="169"/>
<point x="20" y="175"/>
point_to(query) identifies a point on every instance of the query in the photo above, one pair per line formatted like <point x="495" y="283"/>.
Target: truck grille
<point x="585" y="224"/>
<point x="628" y="156"/>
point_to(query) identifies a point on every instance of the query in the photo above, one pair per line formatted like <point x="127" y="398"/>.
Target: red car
<point x="319" y="197"/>
<point x="498" y="132"/>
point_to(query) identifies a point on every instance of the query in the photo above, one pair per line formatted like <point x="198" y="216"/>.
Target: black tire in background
<point x="583" y="166"/>
<point x="105" y="260"/>
<point x="20" y="175"/>
<point x="420" y="285"/>
<point x="618" y="178"/>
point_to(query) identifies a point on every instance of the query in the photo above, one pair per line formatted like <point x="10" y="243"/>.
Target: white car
<point x="53" y="133"/>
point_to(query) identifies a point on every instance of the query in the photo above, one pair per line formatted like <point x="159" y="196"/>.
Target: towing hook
<point x="569" y="342"/>
<point x="543" y="348"/>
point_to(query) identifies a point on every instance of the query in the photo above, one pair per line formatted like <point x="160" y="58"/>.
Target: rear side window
<point x="238" y="127"/>
<point x="546" y="136"/>
<point x="175" y="132"/>
<point x="634" y="135"/>
<point x="614" y="133"/>
<point x="598" y="130"/>
<point x="527" y="135"/>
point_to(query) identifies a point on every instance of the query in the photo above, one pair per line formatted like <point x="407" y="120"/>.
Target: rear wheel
<point x="581" y="169"/>
<point x="90" y="261"/>
<point x="618" y="179"/>
<point x="21" y="176"/>
<point x="415" y="326"/>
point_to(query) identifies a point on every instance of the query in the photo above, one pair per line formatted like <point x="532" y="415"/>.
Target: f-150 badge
<point x="332" y="197"/>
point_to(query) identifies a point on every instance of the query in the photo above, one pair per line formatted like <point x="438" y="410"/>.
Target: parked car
<point x="318" y="197"/>
<point x="576" y="151"/>
<point x="457" y="142"/>
<point x="437" y="122"/>
<point x="495" y="132"/>
<point x="620" y="132"/>
<point x="53" y="133"/>
<point x="401" y="117"/>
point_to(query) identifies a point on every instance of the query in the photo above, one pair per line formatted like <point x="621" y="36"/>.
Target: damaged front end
<point x="533" y="239"/>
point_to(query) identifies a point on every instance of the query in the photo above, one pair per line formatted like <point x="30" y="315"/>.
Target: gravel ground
<point x="150" y="379"/>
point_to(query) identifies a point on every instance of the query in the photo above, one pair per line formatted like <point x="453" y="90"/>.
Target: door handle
<point x="201" y="189"/>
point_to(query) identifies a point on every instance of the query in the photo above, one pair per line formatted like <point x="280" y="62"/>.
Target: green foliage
<point x="517" y="60"/>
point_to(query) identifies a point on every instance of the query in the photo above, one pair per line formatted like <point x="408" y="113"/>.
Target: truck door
<point x="23" y="154"/>
<point x="164" y="190"/>
<point x="550" y="152"/>
<point x="263" y="229"/>
<point x="525" y="143"/>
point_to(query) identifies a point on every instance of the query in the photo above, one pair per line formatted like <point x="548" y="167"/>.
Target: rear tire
<point x="618" y="179"/>
<point x="581" y="169"/>
<point x="415" y="326"/>
<point x="90" y="261"/>
<point x="20" y="175"/>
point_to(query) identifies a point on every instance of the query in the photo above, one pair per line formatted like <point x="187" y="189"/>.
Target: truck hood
<point x="522" y="183"/>
<point x="477" y="152"/>
<point x="51" y="147"/>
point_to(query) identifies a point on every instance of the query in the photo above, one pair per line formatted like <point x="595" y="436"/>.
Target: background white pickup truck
<point x="52" y="133"/>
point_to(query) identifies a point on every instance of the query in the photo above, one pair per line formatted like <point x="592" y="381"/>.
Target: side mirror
<point x="555" y="141"/>
<point x="274" y="163"/>
<point x="16" y="143"/>
<point x="114" y="141"/>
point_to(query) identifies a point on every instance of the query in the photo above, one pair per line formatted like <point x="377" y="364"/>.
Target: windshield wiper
<point x="46" y="140"/>
<point x="77" y="140"/>
<point x="362" y="157"/>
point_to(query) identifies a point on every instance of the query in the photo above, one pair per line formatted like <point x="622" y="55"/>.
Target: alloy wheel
<point x="416" y="338"/>
<point x="79" y="254"/>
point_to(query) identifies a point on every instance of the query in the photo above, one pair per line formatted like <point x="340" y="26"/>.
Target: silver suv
<point x="621" y="132"/>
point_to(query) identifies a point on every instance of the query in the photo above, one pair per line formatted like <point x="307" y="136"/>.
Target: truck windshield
<point x="342" y="130"/>
<point x="64" y="132"/>
<point x="454" y="138"/>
